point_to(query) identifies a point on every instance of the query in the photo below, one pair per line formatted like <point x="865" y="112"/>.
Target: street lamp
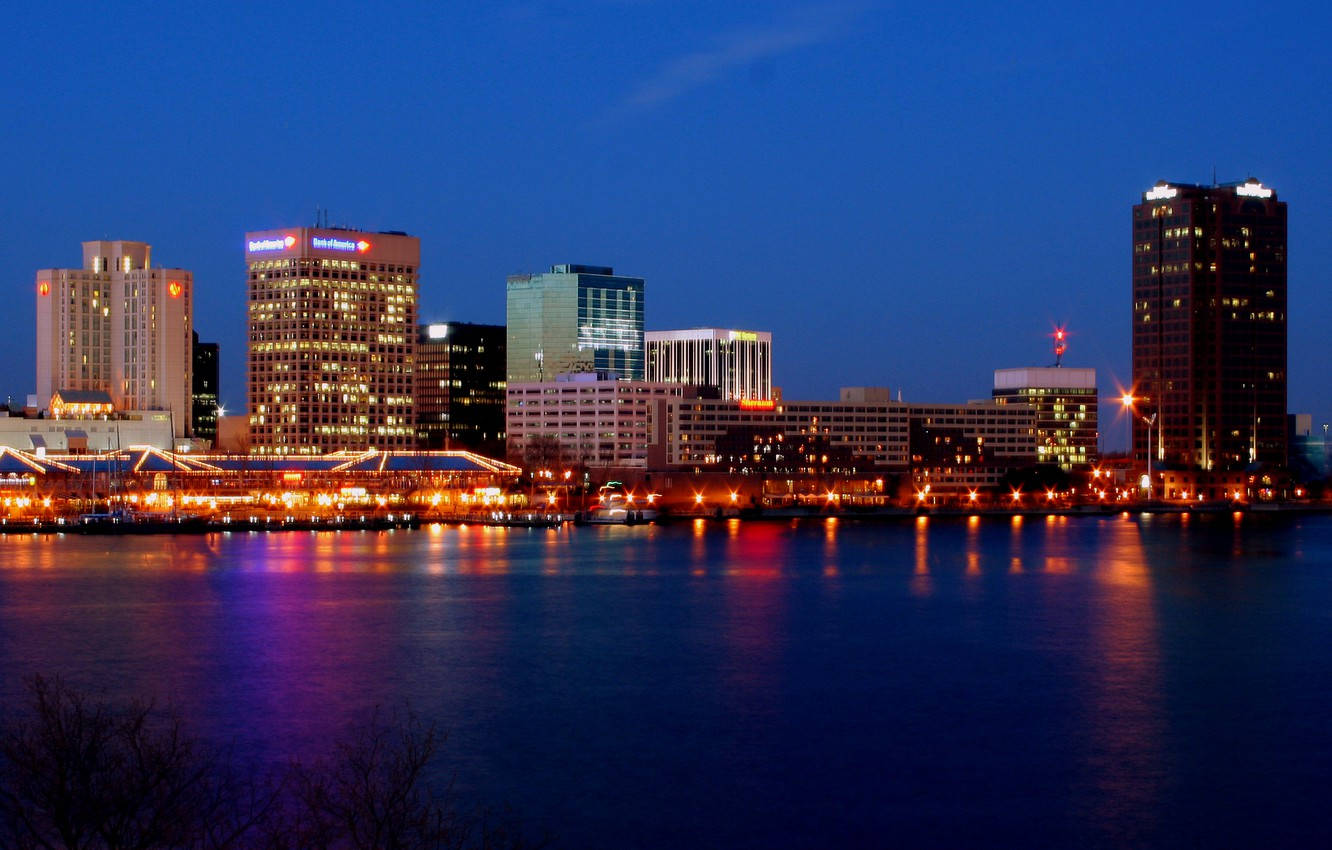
<point x="1128" y="401"/>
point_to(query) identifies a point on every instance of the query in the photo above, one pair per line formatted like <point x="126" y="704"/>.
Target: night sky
<point x="905" y="195"/>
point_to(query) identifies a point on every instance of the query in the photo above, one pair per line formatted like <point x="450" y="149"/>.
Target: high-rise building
<point x="118" y="326"/>
<point x="737" y="363"/>
<point x="205" y="389"/>
<point x="1209" y="325"/>
<point x="574" y="319"/>
<point x="1064" y="401"/>
<point x="332" y="339"/>
<point x="460" y="387"/>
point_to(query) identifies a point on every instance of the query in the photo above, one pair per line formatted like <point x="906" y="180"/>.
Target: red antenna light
<point x="1060" y="345"/>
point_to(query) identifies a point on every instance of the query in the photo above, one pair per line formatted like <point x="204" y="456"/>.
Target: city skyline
<point x="936" y="213"/>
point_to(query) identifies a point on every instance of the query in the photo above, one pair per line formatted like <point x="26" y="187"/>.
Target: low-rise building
<point x="590" y="420"/>
<point x="89" y="434"/>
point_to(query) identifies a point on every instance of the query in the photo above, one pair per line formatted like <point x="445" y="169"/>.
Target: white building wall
<point x="119" y="326"/>
<point x="142" y="428"/>
<point x="737" y="362"/>
<point x="597" y="423"/>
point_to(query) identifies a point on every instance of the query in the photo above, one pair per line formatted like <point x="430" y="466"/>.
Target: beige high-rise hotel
<point x="332" y="317"/>
<point x="117" y="326"/>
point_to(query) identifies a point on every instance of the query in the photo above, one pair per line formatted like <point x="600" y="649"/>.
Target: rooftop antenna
<point x="1060" y="345"/>
<point x="1213" y="176"/>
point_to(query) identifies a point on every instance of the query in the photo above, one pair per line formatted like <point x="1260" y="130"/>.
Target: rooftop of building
<point x="145" y="459"/>
<point x="1251" y="187"/>
<point x="1045" y="377"/>
<point x="82" y="396"/>
<point x="728" y="334"/>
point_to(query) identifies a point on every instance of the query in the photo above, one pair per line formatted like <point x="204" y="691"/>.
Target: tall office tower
<point x="460" y="387"/>
<point x="120" y="326"/>
<point x="1209" y="325"/>
<point x="574" y="319"/>
<point x="204" y="394"/>
<point x="332" y="340"/>
<point x="1064" y="400"/>
<point x="737" y="363"/>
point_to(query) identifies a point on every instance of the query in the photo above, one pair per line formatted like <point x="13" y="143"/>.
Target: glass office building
<point x="460" y="387"/>
<point x="574" y="319"/>
<point x="1209" y="325"/>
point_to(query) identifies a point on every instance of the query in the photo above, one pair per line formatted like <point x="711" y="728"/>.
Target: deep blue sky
<point x="904" y="195"/>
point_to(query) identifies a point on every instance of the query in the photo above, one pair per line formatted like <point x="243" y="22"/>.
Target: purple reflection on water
<point x="1093" y="681"/>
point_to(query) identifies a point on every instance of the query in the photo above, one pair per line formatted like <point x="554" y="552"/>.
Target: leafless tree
<point x="81" y="774"/>
<point x="77" y="773"/>
<point x="541" y="451"/>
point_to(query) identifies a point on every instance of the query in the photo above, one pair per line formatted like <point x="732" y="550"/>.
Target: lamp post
<point x="1128" y="401"/>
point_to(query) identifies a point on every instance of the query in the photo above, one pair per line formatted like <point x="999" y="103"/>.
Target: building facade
<point x="120" y="326"/>
<point x="1209" y="325"/>
<point x="589" y="420"/>
<point x="332" y="344"/>
<point x="1065" y="403"/>
<point x="460" y="387"/>
<point x="205" y="393"/>
<point x="574" y="319"/>
<point x="85" y="435"/>
<point x="594" y="421"/>
<point x="737" y="363"/>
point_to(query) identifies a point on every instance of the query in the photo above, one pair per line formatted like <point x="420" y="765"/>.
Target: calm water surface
<point x="1117" y="681"/>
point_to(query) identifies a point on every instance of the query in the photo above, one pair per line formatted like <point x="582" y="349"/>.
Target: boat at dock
<point x="616" y="506"/>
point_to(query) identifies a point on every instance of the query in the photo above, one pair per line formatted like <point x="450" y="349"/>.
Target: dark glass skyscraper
<point x="203" y="395"/>
<point x="1209" y="325"/>
<point x="460" y="387"/>
<point x="574" y="319"/>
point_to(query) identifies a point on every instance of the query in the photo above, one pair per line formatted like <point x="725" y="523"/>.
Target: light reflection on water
<point x="952" y="679"/>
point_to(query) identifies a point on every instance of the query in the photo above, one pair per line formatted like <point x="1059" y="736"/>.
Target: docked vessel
<point x="617" y="506"/>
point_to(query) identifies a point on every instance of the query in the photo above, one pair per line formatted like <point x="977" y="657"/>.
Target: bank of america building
<point x="332" y="319"/>
<point x="574" y="318"/>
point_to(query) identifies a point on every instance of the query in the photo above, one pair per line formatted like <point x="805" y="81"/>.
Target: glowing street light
<point x="1128" y="401"/>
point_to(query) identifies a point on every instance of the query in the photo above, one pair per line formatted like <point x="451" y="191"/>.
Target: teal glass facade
<point x="574" y="319"/>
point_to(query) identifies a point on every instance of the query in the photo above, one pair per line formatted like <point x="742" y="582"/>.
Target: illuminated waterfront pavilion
<point x="148" y="479"/>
